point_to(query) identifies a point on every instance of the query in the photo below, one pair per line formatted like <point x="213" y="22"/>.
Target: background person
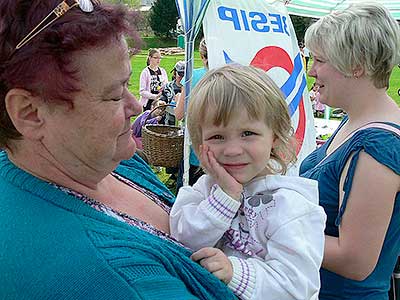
<point x="172" y="91"/>
<point x="152" y="79"/>
<point x="358" y="169"/>
<point x="314" y="94"/>
<point x="269" y="227"/>
<point x="144" y="118"/>
<point x="317" y="105"/>
<point x="170" y="95"/>
<point x="81" y="216"/>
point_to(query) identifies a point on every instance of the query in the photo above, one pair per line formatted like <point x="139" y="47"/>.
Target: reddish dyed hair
<point x="43" y="65"/>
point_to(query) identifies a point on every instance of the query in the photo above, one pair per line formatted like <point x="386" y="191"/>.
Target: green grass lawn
<point x="139" y="62"/>
<point x="395" y="85"/>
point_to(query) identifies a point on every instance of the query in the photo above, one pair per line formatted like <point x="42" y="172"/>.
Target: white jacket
<point x="274" y="239"/>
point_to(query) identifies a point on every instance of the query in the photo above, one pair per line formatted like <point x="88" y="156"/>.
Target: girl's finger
<point x="210" y="265"/>
<point x="215" y="165"/>
<point x="203" y="253"/>
<point x="204" y="159"/>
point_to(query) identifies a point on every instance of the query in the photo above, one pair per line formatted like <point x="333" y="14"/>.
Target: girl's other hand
<point x="216" y="262"/>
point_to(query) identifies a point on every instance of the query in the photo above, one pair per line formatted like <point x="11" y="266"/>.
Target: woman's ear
<point x="24" y="111"/>
<point x="358" y="72"/>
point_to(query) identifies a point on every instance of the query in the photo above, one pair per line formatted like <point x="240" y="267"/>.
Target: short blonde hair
<point x="224" y="91"/>
<point x="364" y="35"/>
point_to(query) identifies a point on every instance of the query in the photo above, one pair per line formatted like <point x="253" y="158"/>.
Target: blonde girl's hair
<point x="225" y="91"/>
<point x="365" y="35"/>
<point x="152" y="51"/>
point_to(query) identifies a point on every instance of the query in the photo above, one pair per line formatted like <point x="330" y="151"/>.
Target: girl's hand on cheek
<point x="225" y="180"/>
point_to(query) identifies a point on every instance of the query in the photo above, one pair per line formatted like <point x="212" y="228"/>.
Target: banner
<point x="260" y="33"/>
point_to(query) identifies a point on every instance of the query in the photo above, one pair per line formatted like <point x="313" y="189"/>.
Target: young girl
<point x="318" y="107"/>
<point x="314" y="96"/>
<point x="152" y="79"/>
<point x="268" y="229"/>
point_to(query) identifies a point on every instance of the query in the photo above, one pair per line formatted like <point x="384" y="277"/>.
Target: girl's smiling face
<point x="242" y="147"/>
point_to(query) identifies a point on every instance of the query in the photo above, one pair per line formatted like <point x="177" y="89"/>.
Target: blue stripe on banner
<point x="228" y="60"/>
<point x="290" y="84"/>
<point x="296" y="100"/>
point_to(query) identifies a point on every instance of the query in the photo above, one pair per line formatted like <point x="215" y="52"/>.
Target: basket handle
<point x="157" y="107"/>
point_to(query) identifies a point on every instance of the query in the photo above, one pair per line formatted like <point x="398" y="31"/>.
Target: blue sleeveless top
<point x="384" y="146"/>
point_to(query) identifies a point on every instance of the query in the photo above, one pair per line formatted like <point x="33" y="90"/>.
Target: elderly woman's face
<point x="97" y="131"/>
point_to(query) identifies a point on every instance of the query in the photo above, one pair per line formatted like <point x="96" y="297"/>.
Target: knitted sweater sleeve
<point x="136" y="263"/>
<point x="151" y="280"/>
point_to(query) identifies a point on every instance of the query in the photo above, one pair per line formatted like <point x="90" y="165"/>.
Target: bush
<point x="156" y="42"/>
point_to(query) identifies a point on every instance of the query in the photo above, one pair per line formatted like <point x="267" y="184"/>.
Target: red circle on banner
<point x="271" y="57"/>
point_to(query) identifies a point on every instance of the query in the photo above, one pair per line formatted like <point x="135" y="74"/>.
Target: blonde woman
<point x="358" y="169"/>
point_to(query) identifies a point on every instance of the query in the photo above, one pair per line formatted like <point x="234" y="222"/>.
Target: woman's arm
<point x="355" y="252"/>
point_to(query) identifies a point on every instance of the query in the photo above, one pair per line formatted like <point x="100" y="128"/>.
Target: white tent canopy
<point x="319" y="8"/>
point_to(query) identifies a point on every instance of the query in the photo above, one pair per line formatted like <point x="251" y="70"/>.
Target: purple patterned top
<point x="123" y="217"/>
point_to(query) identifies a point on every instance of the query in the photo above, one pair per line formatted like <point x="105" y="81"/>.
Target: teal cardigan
<point x="54" y="246"/>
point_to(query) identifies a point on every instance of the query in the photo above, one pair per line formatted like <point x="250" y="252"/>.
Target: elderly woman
<point x="358" y="169"/>
<point x="76" y="221"/>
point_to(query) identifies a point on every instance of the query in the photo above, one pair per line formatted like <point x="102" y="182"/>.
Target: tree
<point x="162" y="18"/>
<point x="300" y="25"/>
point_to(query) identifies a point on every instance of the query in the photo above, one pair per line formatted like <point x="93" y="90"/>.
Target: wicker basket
<point x="163" y="144"/>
